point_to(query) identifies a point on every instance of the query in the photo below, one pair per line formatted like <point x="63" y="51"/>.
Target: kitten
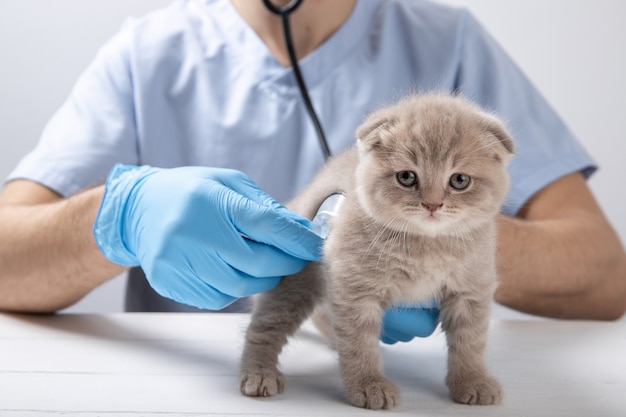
<point x="423" y="187"/>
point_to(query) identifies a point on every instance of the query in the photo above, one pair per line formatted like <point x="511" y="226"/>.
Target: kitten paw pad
<point x="478" y="391"/>
<point x="374" y="393"/>
<point x="262" y="384"/>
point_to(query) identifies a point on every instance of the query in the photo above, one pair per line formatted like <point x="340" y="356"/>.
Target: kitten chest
<point x="400" y="269"/>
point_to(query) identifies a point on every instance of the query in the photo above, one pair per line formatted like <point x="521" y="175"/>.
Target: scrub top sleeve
<point x="545" y="147"/>
<point x="93" y="129"/>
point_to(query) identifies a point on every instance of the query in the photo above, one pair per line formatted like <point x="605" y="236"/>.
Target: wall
<point x="573" y="50"/>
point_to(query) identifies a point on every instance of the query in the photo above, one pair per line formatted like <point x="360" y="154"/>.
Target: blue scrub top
<point x="192" y="84"/>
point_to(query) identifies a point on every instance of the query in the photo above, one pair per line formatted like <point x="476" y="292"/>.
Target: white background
<point x="573" y="50"/>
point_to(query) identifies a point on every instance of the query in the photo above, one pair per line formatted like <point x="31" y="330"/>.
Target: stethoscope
<point x="284" y="13"/>
<point x="331" y="205"/>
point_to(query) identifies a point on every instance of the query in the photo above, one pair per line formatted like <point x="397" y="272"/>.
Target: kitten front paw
<point x="262" y="383"/>
<point x="374" y="392"/>
<point x="481" y="390"/>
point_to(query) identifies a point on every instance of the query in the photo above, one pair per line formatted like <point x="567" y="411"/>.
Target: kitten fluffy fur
<point x="423" y="186"/>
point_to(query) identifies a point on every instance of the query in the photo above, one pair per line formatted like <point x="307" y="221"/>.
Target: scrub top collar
<point x="245" y="46"/>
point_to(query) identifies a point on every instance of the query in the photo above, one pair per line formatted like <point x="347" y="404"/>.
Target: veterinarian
<point x="157" y="161"/>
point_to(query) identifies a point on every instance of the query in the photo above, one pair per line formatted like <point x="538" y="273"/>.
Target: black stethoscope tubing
<point x="284" y="12"/>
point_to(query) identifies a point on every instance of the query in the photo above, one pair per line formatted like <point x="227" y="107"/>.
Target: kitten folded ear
<point x="497" y="128"/>
<point x="371" y="134"/>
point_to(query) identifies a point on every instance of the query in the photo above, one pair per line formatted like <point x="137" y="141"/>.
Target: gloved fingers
<point x="214" y="291"/>
<point x="420" y="322"/>
<point x="172" y="284"/>
<point x="212" y="270"/>
<point x="245" y="286"/>
<point x="391" y="336"/>
<point x="233" y="282"/>
<point x="210" y="299"/>
<point x="260" y="260"/>
<point x="267" y="225"/>
<point x="243" y="185"/>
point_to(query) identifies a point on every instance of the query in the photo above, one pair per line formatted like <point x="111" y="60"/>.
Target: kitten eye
<point x="460" y="181"/>
<point x="407" y="178"/>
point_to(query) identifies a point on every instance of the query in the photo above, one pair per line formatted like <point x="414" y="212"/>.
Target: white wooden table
<point x="187" y="364"/>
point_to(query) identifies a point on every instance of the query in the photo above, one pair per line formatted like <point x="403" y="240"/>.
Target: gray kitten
<point x="423" y="187"/>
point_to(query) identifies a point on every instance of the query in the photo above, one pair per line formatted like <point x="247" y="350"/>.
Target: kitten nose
<point x="432" y="207"/>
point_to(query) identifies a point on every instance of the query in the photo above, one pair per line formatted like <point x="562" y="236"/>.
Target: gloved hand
<point x="203" y="236"/>
<point x="401" y="323"/>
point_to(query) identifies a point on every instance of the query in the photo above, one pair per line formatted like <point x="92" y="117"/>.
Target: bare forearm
<point x="48" y="256"/>
<point x="572" y="267"/>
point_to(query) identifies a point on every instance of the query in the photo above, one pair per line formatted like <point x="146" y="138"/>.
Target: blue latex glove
<point x="402" y="323"/>
<point x="186" y="227"/>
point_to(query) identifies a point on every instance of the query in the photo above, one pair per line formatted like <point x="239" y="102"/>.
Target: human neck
<point x="311" y="24"/>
